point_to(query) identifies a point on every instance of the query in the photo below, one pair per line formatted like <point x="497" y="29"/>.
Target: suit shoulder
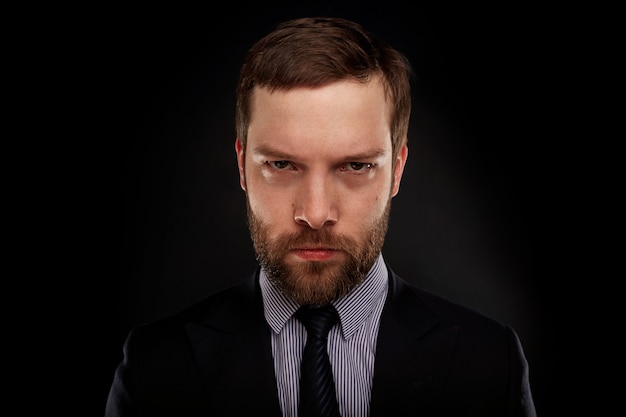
<point x="445" y="309"/>
<point x="222" y="305"/>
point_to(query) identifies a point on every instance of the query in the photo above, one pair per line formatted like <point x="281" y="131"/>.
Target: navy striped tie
<point x="317" y="387"/>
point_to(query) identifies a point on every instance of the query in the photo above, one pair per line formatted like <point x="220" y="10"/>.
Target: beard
<point x="317" y="282"/>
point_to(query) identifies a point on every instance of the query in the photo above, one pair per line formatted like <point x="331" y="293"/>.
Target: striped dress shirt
<point x="351" y="346"/>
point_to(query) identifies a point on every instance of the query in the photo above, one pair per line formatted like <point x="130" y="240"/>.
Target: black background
<point x="479" y="215"/>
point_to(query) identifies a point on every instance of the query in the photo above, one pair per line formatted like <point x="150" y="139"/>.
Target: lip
<point x="314" y="254"/>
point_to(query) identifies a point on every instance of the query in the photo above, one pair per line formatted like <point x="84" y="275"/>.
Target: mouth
<point x="315" y="254"/>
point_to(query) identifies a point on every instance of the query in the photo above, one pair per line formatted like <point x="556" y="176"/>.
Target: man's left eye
<point x="358" y="166"/>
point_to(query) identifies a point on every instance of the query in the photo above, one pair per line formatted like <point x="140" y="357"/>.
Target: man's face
<point x="317" y="172"/>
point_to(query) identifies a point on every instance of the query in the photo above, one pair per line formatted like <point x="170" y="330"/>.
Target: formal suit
<point x="433" y="358"/>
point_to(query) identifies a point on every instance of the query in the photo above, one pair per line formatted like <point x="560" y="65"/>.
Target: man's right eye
<point x="278" y="164"/>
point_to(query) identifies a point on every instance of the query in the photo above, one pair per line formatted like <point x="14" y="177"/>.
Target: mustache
<point x="317" y="238"/>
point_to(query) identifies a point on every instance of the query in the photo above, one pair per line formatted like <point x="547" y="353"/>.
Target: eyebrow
<point x="270" y="152"/>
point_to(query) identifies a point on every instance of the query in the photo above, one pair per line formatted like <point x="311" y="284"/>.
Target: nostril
<point x="315" y="222"/>
<point x="301" y="220"/>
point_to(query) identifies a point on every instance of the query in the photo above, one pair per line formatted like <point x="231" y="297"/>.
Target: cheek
<point x="377" y="207"/>
<point x="376" y="198"/>
<point x="365" y="210"/>
<point x="269" y="206"/>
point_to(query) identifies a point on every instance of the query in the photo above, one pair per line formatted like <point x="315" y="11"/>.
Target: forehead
<point x="344" y="116"/>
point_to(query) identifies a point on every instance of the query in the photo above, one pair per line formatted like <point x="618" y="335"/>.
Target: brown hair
<point x="311" y="52"/>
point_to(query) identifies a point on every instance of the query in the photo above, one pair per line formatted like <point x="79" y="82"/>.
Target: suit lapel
<point x="232" y="348"/>
<point x="412" y="354"/>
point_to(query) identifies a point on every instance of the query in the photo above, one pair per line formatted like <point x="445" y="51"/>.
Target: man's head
<point x="322" y="119"/>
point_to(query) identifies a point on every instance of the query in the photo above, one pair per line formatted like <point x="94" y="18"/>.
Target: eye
<point x="279" y="165"/>
<point x="357" y="166"/>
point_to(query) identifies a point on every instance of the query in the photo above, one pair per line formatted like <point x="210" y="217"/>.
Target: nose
<point x="316" y="203"/>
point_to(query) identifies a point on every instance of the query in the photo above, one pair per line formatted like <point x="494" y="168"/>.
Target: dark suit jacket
<point x="433" y="358"/>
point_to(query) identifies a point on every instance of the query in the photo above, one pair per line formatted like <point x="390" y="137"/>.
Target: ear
<point x="399" y="169"/>
<point x="240" y="163"/>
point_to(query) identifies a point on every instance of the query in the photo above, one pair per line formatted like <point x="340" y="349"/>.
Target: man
<point x="322" y="118"/>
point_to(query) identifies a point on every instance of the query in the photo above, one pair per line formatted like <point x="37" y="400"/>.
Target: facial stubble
<point x="317" y="282"/>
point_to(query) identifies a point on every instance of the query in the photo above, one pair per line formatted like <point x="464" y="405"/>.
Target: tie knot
<point x="317" y="320"/>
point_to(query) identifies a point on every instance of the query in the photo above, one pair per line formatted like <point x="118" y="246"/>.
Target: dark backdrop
<point x="475" y="217"/>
